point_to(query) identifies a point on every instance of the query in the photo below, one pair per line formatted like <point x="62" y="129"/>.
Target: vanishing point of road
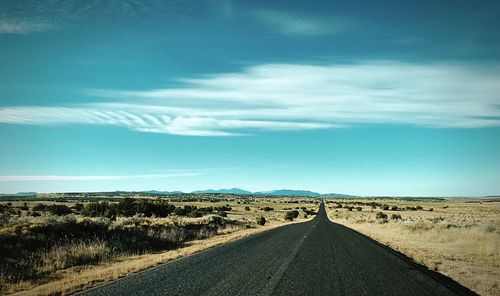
<point x="317" y="257"/>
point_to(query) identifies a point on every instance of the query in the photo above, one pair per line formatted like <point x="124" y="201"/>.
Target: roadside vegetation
<point x="41" y="240"/>
<point x="459" y="238"/>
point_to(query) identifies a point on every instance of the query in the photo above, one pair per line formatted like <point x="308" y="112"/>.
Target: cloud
<point x="302" y="24"/>
<point x="287" y="97"/>
<point x="24" y="27"/>
<point x="95" y="178"/>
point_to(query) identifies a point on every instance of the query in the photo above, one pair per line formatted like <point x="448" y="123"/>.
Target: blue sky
<point x="392" y="98"/>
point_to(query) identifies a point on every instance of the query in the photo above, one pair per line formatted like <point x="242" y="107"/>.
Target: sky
<point x="396" y="98"/>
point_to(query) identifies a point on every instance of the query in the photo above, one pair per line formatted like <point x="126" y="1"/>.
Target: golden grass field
<point x="459" y="238"/>
<point x="56" y="275"/>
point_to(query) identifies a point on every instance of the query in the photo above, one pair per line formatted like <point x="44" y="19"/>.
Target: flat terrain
<point x="457" y="237"/>
<point x="317" y="257"/>
<point x="63" y="243"/>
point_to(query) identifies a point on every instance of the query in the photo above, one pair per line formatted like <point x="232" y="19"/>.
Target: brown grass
<point x="76" y="279"/>
<point x="72" y="265"/>
<point x="457" y="238"/>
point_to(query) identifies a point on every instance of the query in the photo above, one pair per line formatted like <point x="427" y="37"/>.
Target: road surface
<point x="317" y="257"/>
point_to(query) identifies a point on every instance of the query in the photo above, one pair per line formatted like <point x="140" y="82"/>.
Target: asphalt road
<point x="312" y="258"/>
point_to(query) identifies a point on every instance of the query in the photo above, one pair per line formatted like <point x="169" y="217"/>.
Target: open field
<point x="61" y="244"/>
<point x="459" y="238"/>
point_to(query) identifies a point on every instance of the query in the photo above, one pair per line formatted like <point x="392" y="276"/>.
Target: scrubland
<point x="59" y="245"/>
<point x="459" y="238"/>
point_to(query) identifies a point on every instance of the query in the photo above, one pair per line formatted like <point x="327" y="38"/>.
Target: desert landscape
<point x="62" y="243"/>
<point x="457" y="237"/>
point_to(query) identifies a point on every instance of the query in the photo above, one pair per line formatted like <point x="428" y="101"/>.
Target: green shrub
<point x="261" y="220"/>
<point x="396" y="217"/>
<point x="224" y="209"/>
<point x="290" y="215"/>
<point x="381" y="215"/>
<point x="181" y="211"/>
<point x="39" y="207"/>
<point x="247" y="208"/>
<point x="59" y="210"/>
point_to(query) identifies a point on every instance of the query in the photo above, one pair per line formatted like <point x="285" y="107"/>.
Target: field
<point x="62" y="243"/>
<point x="459" y="238"/>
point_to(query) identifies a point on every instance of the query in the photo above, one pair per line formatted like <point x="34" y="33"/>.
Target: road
<point x="317" y="257"/>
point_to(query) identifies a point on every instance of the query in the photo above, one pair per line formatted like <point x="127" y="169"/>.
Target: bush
<point x="126" y="207"/>
<point x="359" y="209"/>
<point x="290" y="215"/>
<point x="224" y="209"/>
<point x="179" y="211"/>
<point x="261" y="220"/>
<point x="394" y="208"/>
<point x="59" y="210"/>
<point x="39" y="207"/>
<point x="267" y="209"/>
<point x="385" y="207"/>
<point x="381" y="215"/>
<point x="78" y="207"/>
<point x="396" y="217"/>
<point x="247" y="208"/>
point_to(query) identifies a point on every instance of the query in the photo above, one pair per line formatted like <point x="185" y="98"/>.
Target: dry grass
<point x="457" y="238"/>
<point x="70" y="265"/>
<point x="76" y="279"/>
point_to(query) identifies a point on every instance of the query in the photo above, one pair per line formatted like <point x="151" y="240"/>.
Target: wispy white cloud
<point x="96" y="178"/>
<point x="304" y="25"/>
<point x="293" y="97"/>
<point x="18" y="26"/>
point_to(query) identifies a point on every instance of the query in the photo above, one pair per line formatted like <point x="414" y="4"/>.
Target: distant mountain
<point x="288" y="192"/>
<point x="338" y="195"/>
<point x="238" y="191"/>
<point x="27" y="193"/>
<point x="163" y="192"/>
<point x="226" y="191"/>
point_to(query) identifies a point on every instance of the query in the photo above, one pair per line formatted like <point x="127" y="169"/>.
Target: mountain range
<point x="280" y="192"/>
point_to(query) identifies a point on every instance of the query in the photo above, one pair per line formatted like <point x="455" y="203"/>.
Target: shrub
<point x="24" y="206"/>
<point x="39" y="207"/>
<point x="126" y="207"/>
<point x="394" y="208"/>
<point x="98" y="209"/>
<point x="247" y="208"/>
<point x="223" y="214"/>
<point x="78" y="207"/>
<point x="179" y="211"/>
<point x="385" y="207"/>
<point x="224" y="209"/>
<point x="290" y="215"/>
<point x="59" y="210"/>
<point x="261" y="220"/>
<point x="396" y="217"/>
<point x="267" y="209"/>
<point x="359" y="209"/>
<point x="381" y="215"/>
